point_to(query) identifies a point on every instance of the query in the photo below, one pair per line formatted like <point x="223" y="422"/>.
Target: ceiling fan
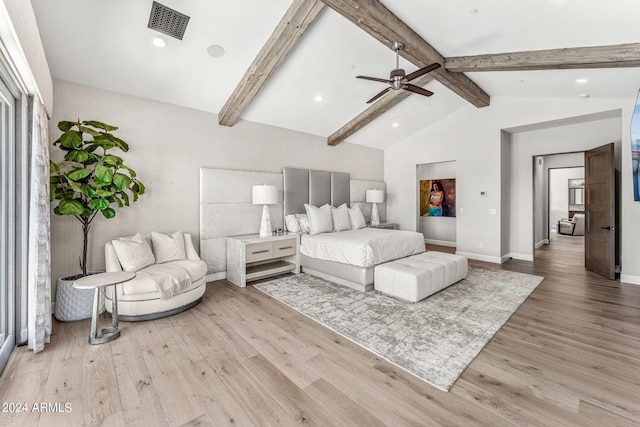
<point x="397" y="79"/>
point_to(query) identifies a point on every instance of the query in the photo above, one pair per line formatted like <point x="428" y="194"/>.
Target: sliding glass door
<point x="8" y="222"/>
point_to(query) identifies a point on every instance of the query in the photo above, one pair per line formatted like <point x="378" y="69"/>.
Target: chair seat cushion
<point x="143" y="287"/>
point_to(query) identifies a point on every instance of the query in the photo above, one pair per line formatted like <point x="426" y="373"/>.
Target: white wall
<point x="23" y="21"/>
<point x="473" y="138"/>
<point x="168" y="145"/>
<point x="436" y="230"/>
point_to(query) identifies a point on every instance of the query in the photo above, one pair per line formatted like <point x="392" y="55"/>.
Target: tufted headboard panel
<point x="316" y="188"/>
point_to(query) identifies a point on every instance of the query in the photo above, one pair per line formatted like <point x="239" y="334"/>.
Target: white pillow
<point x="340" y="217"/>
<point x="319" y="219"/>
<point x="303" y="222"/>
<point x="134" y="253"/>
<point x="168" y="247"/>
<point x="356" y="218"/>
<point x="292" y="223"/>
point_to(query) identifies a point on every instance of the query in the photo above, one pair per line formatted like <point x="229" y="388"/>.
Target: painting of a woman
<point x="436" y="198"/>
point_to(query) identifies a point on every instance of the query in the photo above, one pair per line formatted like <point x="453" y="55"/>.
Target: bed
<point x="345" y="257"/>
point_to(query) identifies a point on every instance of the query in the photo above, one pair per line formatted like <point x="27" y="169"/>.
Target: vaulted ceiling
<point x="293" y="64"/>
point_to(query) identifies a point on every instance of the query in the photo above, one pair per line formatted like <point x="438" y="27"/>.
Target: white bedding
<point x="365" y="247"/>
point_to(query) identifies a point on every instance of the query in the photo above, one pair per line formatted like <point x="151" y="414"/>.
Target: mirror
<point x="576" y="194"/>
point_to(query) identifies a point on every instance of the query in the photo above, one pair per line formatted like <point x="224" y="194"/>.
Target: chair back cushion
<point x="133" y="252"/>
<point x="168" y="247"/>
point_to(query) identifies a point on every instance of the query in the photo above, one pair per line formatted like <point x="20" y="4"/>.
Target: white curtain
<point x="39" y="278"/>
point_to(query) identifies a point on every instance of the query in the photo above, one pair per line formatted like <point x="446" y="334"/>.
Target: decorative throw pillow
<point x="292" y="223"/>
<point x="168" y="247"/>
<point x="340" y="217"/>
<point x="134" y="252"/>
<point x="356" y="218"/>
<point x="303" y="222"/>
<point x="319" y="219"/>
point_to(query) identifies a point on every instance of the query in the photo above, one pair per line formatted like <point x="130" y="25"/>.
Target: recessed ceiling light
<point x="395" y="124"/>
<point x="473" y="11"/>
<point x="215" y="51"/>
<point x="158" y="42"/>
<point x="584" y="95"/>
<point x="582" y="81"/>
<point x="318" y="98"/>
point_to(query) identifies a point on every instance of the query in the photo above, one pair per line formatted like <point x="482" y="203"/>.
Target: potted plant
<point x="90" y="180"/>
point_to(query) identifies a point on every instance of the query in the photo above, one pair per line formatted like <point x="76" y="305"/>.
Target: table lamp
<point x="374" y="196"/>
<point x="265" y="195"/>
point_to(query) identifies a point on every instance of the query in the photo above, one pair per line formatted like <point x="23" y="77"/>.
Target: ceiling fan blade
<point x="375" y="79"/>
<point x="422" y="71"/>
<point x="417" y="89"/>
<point x="378" y="95"/>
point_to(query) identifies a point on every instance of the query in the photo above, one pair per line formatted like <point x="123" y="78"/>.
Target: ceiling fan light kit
<point x="398" y="80"/>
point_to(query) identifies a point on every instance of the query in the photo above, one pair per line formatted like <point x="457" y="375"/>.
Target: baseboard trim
<point x="215" y="276"/>
<point x="481" y="257"/>
<point x="523" y="257"/>
<point x="628" y="278"/>
<point x="505" y="258"/>
<point x="542" y="243"/>
<point x="440" y="243"/>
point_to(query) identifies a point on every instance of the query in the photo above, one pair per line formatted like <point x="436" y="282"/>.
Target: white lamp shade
<point x="264" y="195"/>
<point x="374" y="196"/>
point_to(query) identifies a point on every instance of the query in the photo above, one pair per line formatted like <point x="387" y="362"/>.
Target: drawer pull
<point x="260" y="252"/>
<point x="286" y="247"/>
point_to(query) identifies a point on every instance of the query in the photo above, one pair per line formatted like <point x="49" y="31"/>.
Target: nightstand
<point x="386" y="225"/>
<point x="251" y="257"/>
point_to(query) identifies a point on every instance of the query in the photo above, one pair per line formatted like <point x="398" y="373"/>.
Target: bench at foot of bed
<point x="418" y="276"/>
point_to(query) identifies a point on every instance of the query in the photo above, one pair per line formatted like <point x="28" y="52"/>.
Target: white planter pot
<point x="74" y="304"/>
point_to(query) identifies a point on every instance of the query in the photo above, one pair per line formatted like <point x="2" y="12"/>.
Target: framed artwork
<point x="438" y="197"/>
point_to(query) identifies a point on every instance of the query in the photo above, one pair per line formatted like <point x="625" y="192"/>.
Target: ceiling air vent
<point x="167" y="20"/>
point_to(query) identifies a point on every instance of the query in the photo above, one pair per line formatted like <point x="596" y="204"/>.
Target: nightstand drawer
<point x="259" y="251"/>
<point x="284" y="247"/>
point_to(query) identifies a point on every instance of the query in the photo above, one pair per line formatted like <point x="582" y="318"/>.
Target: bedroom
<point x="170" y="142"/>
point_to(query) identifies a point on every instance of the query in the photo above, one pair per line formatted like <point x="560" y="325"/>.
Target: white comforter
<point x="365" y="247"/>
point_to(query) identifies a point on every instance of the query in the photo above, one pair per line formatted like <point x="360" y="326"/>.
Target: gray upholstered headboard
<point x="316" y="188"/>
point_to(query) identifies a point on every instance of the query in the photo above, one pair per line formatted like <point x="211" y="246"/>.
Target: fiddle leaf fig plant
<point x="90" y="180"/>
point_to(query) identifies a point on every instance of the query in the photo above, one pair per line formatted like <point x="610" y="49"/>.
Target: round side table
<point x="99" y="282"/>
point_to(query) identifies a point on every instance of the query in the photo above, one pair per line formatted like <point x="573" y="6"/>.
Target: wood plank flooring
<point x="570" y="355"/>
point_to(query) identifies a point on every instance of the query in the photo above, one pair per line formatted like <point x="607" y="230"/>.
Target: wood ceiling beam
<point x="379" y="22"/>
<point x="300" y="15"/>
<point x="381" y="106"/>
<point x="614" y="56"/>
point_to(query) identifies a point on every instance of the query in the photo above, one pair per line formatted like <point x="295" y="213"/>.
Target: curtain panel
<point x="39" y="253"/>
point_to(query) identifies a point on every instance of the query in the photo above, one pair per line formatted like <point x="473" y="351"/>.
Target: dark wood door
<point x="599" y="170"/>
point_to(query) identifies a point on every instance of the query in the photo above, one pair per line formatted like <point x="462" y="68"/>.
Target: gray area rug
<point x="434" y="339"/>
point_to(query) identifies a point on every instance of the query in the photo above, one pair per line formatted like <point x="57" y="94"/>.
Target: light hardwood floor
<point x="570" y="355"/>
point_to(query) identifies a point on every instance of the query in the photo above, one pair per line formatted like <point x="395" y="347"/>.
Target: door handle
<point x="608" y="228"/>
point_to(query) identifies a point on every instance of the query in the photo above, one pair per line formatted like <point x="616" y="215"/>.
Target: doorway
<point x="568" y="210"/>
<point x="565" y="210"/>
<point x="521" y="147"/>
<point x="438" y="229"/>
<point x="551" y="194"/>
<point x="7" y="223"/>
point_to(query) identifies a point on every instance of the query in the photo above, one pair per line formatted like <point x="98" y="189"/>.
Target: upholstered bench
<point x="418" y="276"/>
